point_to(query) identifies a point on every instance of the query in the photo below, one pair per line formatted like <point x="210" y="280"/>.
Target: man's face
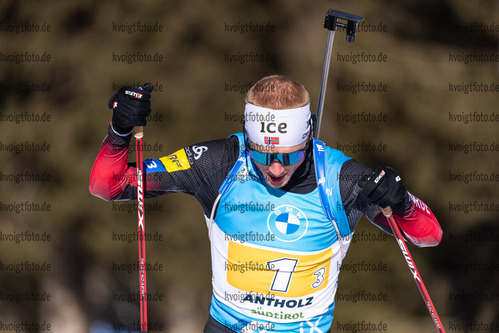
<point x="276" y="174"/>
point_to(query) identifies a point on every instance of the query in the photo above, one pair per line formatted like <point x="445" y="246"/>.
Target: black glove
<point x="385" y="188"/>
<point x="130" y="107"/>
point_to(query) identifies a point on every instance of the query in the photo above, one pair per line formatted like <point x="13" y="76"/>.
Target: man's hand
<point x="130" y="108"/>
<point x="385" y="188"/>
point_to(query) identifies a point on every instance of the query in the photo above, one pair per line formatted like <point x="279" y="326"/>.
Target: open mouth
<point x="275" y="179"/>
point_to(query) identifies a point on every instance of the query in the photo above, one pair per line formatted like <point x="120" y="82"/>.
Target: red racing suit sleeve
<point x="111" y="172"/>
<point x="418" y="224"/>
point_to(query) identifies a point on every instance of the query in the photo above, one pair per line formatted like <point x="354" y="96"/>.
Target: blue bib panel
<point x="276" y="254"/>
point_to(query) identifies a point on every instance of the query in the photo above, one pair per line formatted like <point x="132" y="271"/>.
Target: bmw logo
<point x="287" y="223"/>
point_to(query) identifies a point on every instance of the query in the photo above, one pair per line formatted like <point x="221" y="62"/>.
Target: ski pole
<point x="139" y="134"/>
<point x="387" y="211"/>
<point x="330" y="23"/>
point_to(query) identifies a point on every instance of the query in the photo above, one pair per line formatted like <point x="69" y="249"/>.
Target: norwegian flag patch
<point x="271" y="140"/>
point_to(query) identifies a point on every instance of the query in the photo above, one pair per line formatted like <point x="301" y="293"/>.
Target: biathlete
<point x="301" y="202"/>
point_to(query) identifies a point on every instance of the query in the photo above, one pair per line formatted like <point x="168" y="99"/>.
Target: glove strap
<point x="120" y="134"/>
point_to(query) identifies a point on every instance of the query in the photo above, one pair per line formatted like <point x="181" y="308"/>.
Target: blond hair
<point x="278" y="92"/>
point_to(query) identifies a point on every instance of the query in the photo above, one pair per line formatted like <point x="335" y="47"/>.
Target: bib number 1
<point x="284" y="271"/>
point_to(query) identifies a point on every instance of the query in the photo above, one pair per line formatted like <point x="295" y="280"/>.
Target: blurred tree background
<point x="64" y="255"/>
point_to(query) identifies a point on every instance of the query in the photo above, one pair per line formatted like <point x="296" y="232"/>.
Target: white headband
<point x="281" y="128"/>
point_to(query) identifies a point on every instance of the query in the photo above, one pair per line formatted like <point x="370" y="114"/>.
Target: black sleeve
<point x="201" y="174"/>
<point x="352" y="175"/>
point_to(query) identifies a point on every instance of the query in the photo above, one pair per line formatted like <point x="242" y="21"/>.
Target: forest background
<point x="417" y="90"/>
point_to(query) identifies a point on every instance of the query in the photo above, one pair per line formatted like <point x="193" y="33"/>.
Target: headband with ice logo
<point x="280" y="128"/>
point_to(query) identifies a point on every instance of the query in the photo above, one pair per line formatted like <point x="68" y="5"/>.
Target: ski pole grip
<point x="139" y="130"/>
<point x="387" y="211"/>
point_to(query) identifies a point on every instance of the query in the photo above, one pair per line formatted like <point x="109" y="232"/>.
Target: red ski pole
<point x="412" y="266"/>
<point x="139" y="134"/>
